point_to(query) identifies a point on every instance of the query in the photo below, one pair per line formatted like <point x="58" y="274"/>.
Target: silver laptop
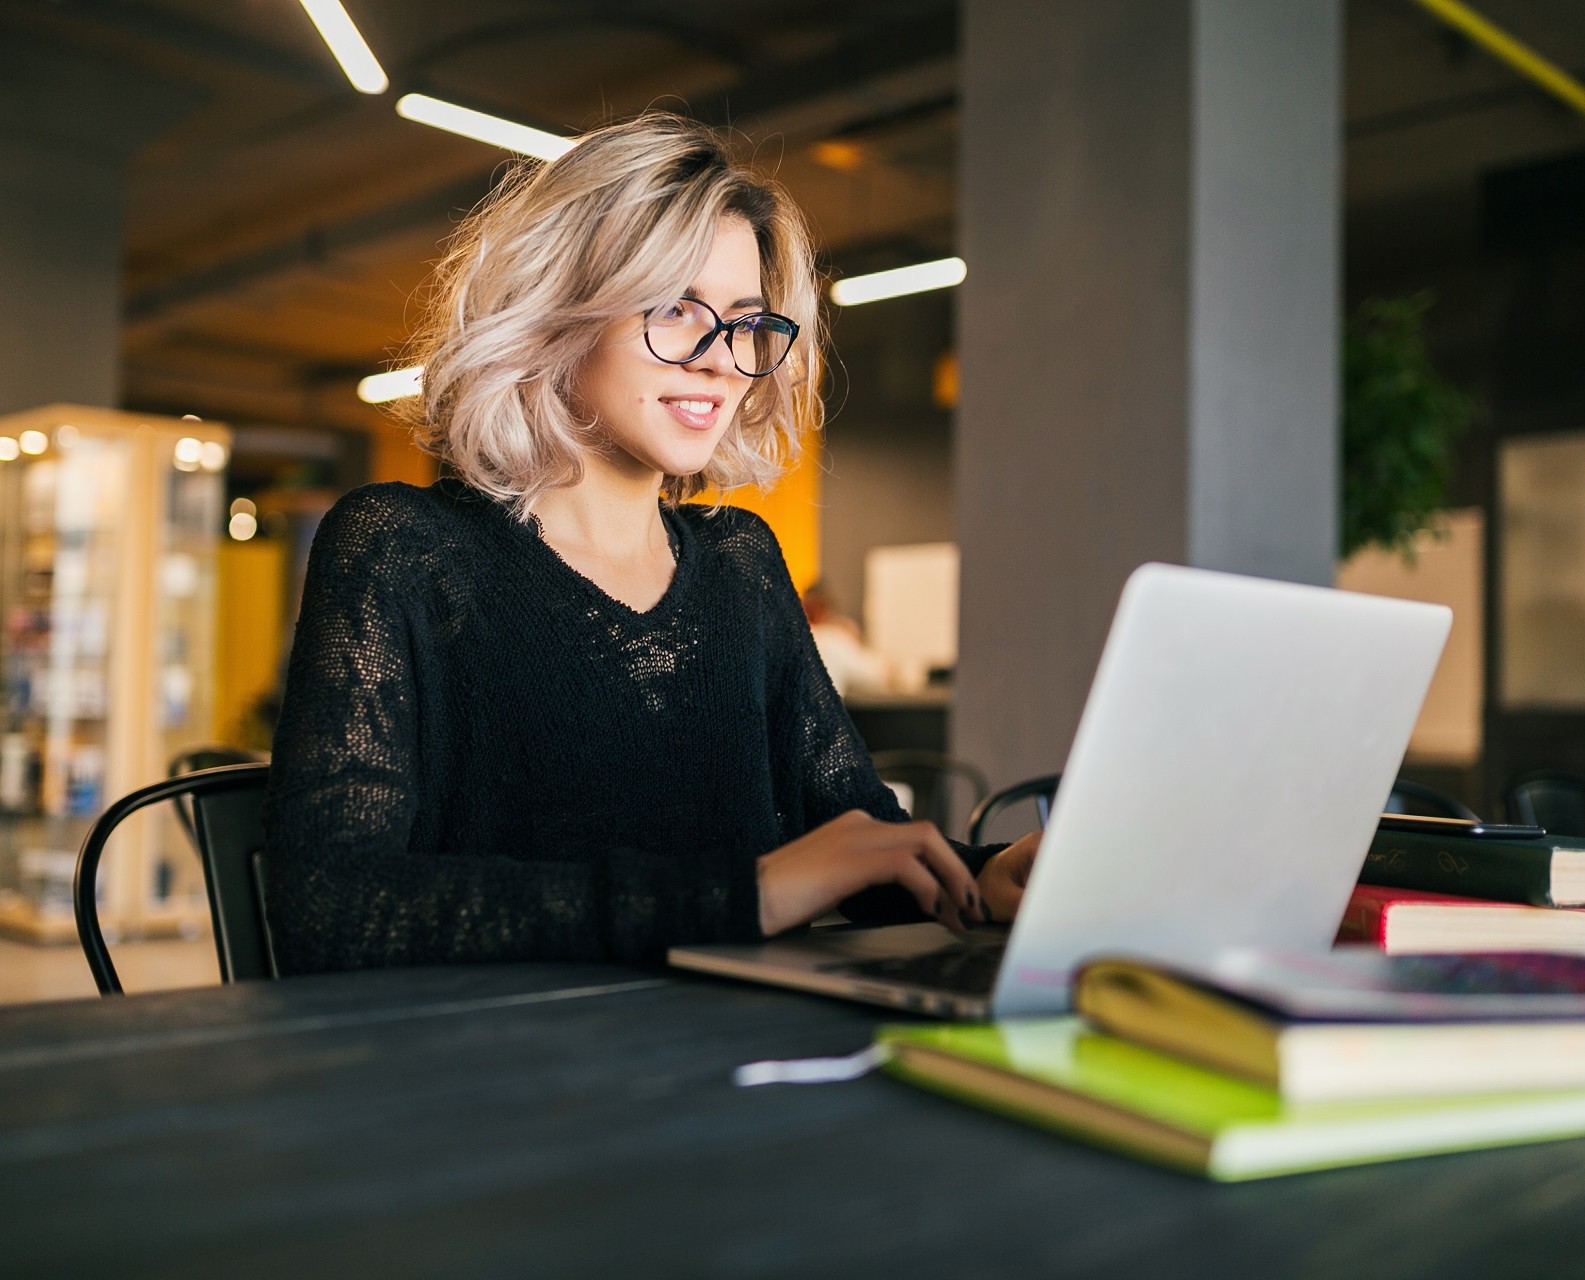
<point x="1233" y="758"/>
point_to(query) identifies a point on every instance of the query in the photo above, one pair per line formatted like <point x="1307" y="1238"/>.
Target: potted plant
<point x="1400" y="422"/>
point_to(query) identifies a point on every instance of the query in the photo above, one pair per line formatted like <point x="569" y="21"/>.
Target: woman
<point x="545" y="710"/>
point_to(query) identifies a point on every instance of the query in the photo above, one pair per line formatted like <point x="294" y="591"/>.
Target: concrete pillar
<point x="68" y="125"/>
<point x="1148" y="331"/>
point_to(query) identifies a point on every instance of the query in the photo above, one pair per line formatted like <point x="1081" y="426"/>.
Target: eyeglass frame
<point x="730" y="328"/>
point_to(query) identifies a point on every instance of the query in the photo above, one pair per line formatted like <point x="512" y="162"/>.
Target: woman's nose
<point x="716" y="358"/>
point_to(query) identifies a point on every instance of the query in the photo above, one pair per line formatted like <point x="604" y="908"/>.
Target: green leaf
<point x="1400" y="423"/>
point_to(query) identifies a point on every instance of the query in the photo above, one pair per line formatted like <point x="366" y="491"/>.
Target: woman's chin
<point x="670" y="462"/>
<point x="684" y="463"/>
<point x="691" y="470"/>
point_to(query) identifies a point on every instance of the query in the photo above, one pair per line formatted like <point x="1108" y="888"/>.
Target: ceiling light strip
<point x="483" y="127"/>
<point x="940" y="274"/>
<point x="397" y="384"/>
<point x="348" y="46"/>
<point x="1518" y="55"/>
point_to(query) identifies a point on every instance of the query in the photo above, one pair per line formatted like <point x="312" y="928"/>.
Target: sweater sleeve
<point x="833" y="769"/>
<point x="344" y="887"/>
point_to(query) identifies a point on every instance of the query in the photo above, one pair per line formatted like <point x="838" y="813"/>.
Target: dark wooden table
<point x="570" y="1120"/>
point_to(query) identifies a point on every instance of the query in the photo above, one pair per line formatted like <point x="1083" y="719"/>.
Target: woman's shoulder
<point x="741" y="541"/>
<point x="734" y="530"/>
<point x="392" y="526"/>
<point x="394" y="500"/>
<point x="396" y="511"/>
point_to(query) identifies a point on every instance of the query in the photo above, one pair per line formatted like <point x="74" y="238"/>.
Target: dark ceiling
<point x="278" y="222"/>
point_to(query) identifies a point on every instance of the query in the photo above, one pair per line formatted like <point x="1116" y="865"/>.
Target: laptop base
<point x="851" y="963"/>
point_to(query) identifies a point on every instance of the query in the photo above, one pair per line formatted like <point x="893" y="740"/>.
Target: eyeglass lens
<point x="684" y="330"/>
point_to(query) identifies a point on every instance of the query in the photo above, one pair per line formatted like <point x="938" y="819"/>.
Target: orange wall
<point x="792" y="509"/>
<point x="394" y="456"/>
<point x="252" y="577"/>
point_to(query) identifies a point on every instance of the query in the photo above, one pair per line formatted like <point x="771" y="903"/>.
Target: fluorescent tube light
<point x="941" y="274"/>
<point x="482" y="127"/>
<point x="1521" y="57"/>
<point x="377" y="388"/>
<point x="348" y="45"/>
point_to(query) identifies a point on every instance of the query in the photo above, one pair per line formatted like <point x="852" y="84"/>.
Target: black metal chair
<point x="191" y="761"/>
<point x="1408" y="796"/>
<point x="1547" y="798"/>
<point x="935" y="779"/>
<point x="1039" y="789"/>
<point x="228" y="830"/>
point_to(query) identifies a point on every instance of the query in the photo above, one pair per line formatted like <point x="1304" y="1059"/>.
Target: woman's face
<point x="667" y="419"/>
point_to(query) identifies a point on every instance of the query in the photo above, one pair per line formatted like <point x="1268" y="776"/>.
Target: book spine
<point x="1365" y="920"/>
<point x="1498" y="870"/>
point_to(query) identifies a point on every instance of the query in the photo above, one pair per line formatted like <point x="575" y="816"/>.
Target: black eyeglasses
<point x="682" y="331"/>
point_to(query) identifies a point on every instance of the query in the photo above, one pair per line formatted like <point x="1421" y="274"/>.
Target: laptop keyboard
<point x="969" y="971"/>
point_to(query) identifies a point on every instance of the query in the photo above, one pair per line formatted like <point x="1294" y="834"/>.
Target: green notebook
<point x="1060" y="1074"/>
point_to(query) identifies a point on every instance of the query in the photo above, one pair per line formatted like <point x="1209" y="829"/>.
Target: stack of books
<point x="1259" y="1064"/>
<point x="1438" y="889"/>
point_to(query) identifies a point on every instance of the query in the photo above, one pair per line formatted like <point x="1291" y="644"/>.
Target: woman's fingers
<point x="1001" y="897"/>
<point x="923" y="843"/>
<point x="1003" y="879"/>
<point x="924" y="863"/>
<point x="948" y="868"/>
<point x="806" y="877"/>
<point x="910" y="871"/>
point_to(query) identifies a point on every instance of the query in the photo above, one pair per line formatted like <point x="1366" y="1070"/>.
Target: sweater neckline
<point x="681" y="539"/>
<point x="678" y="530"/>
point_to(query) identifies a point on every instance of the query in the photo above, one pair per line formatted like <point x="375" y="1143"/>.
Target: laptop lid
<point x="1233" y="757"/>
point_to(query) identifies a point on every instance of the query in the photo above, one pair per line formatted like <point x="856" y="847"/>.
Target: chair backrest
<point x="1409" y="796"/>
<point x="934" y="780"/>
<point x="191" y="760"/>
<point x="1039" y="789"/>
<point x="1547" y="798"/>
<point x="228" y="821"/>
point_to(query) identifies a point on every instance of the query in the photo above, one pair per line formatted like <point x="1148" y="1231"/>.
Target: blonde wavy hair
<point x="533" y="277"/>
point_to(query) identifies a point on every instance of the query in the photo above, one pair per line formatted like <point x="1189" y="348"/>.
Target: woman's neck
<point x="615" y="517"/>
<point x="613" y="535"/>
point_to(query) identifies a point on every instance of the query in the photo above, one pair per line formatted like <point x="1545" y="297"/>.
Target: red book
<point x="1408" y="921"/>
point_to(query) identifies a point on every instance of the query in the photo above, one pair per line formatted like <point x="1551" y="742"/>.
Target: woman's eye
<point x="672" y="312"/>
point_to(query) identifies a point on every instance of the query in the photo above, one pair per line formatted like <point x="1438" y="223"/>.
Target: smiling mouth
<point x="698" y="413"/>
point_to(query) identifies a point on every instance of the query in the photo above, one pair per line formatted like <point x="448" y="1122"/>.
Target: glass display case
<point x="109" y="531"/>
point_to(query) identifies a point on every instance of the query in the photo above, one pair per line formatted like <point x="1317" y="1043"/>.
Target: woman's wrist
<point x="759" y="883"/>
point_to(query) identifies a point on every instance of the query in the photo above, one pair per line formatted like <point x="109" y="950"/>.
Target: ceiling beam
<point x="878" y="51"/>
<point x="839" y="76"/>
<point x="152" y="306"/>
<point x="164" y="30"/>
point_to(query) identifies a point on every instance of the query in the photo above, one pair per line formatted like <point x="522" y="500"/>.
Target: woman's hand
<point x="807" y="877"/>
<point x="1003" y="878"/>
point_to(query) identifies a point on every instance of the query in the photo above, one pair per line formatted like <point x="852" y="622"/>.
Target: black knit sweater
<point x="482" y="756"/>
